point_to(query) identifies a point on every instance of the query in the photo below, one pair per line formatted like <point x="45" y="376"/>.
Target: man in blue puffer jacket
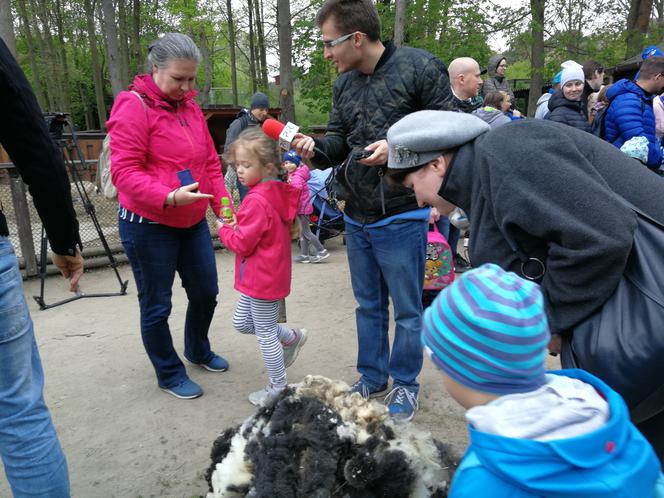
<point x="630" y="112"/>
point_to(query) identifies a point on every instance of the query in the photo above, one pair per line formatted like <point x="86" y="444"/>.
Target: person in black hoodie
<point x="33" y="459"/>
<point x="543" y="190"/>
<point x="385" y="231"/>
<point x="566" y="105"/>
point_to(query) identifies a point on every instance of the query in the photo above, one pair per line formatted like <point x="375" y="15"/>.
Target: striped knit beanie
<point x="488" y="331"/>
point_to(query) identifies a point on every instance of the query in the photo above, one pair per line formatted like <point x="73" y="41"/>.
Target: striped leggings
<point x="259" y="317"/>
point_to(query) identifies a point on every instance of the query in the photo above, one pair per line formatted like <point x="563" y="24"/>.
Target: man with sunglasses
<point x="385" y="230"/>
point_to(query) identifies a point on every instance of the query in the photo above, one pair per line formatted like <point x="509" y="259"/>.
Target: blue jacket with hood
<point x="630" y="114"/>
<point x="613" y="461"/>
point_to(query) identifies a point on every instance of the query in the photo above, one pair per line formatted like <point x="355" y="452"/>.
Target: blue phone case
<point x="186" y="178"/>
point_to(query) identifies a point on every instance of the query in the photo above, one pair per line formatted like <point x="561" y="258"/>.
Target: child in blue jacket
<point x="532" y="433"/>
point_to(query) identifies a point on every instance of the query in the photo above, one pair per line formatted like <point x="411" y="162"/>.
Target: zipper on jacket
<point x="382" y="192"/>
<point x="244" y="260"/>
<point x="184" y="124"/>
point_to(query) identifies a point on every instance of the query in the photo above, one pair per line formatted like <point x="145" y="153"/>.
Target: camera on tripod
<point x="55" y="122"/>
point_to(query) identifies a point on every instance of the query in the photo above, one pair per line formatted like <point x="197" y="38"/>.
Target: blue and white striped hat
<point x="488" y="331"/>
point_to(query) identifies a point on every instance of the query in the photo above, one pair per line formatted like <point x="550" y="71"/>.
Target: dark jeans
<point x="155" y="252"/>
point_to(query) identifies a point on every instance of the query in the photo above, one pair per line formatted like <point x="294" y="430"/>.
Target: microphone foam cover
<point x="273" y="128"/>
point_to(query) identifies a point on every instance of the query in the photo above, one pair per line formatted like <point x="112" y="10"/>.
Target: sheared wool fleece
<point x="557" y="192"/>
<point x="317" y="440"/>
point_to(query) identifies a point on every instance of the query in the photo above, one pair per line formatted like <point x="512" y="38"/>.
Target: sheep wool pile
<point x="317" y="440"/>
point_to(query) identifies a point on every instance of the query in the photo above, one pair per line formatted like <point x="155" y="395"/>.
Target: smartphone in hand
<point x="186" y="178"/>
<point x="361" y="154"/>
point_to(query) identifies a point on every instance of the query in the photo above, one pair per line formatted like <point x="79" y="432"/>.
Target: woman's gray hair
<point x="172" y="46"/>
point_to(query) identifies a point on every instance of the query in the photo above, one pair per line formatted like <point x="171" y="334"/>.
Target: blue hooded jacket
<point x="630" y="114"/>
<point x="613" y="461"/>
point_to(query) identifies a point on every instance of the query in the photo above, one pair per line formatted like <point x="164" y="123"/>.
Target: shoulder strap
<point x="145" y="108"/>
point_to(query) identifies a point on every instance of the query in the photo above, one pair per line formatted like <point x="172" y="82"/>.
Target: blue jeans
<point x="388" y="262"/>
<point x="155" y="252"/>
<point x="34" y="462"/>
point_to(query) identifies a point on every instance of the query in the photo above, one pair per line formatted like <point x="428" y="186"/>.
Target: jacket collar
<point x="457" y="185"/>
<point x="145" y="85"/>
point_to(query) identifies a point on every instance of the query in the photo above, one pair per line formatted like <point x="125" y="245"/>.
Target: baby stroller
<point x="327" y="220"/>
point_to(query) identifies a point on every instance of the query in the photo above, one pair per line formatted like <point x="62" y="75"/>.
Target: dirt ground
<point x="123" y="437"/>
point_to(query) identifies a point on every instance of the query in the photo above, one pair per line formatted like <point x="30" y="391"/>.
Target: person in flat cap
<point x="254" y="116"/>
<point x="532" y="433"/>
<point x="548" y="193"/>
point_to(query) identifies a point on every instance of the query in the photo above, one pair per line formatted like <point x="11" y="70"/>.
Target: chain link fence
<point x="106" y="211"/>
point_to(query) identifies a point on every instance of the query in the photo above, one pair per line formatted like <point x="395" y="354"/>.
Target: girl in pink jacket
<point x="298" y="177"/>
<point x="157" y="131"/>
<point x="260" y="237"/>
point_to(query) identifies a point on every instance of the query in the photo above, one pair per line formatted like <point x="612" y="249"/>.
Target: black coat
<point x="569" y="112"/>
<point x="405" y="80"/>
<point x="555" y="191"/>
<point x="25" y="137"/>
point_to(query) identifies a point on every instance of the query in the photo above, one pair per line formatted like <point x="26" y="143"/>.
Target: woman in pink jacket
<point x="157" y="131"/>
<point x="298" y="177"/>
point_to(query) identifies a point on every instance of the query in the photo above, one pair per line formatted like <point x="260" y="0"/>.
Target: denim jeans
<point x="155" y="253"/>
<point x="386" y="262"/>
<point x="34" y="462"/>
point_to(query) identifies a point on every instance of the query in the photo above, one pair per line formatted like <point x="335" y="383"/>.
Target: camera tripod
<point x="67" y="146"/>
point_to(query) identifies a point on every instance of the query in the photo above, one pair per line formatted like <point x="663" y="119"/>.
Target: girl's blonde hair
<point x="267" y="152"/>
<point x="261" y="146"/>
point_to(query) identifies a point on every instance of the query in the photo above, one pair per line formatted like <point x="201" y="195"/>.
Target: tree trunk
<point x="536" y="54"/>
<point x="48" y="77"/>
<point x="7" y="26"/>
<point x="111" y="32"/>
<point x="399" y="19"/>
<point x="231" y="46"/>
<point x="55" y="89"/>
<point x="207" y="67"/>
<point x="258" y="4"/>
<point x="123" y="48"/>
<point x="136" y="38"/>
<point x="66" y="101"/>
<point x="87" y="114"/>
<point x="36" y="82"/>
<point x="286" y="101"/>
<point x="252" y="52"/>
<point x="637" y="26"/>
<point x="96" y="70"/>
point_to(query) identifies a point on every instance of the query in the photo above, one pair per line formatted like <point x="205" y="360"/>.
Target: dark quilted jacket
<point x="364" y="107"/>
<point x="629" y="115"/>
<point x="569" y="112"/>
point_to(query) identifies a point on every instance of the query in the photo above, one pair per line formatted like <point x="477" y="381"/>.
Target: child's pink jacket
<point x="299" y="179"/>
<point x="261" y="241"/>
<point x="150" y="144"/>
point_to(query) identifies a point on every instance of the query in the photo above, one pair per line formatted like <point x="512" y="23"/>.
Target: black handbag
<point x="622" y="343"/>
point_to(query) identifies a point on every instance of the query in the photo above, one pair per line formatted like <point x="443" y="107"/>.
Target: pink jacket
<point x="261" y="240"/>
<point x="150" y="145"/>
<point x="658" y="109"/>
<point x="299" y="179"/>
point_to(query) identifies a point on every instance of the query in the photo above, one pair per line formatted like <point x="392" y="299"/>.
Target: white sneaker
<point x="315" y="259"/>
<point x="259" y="398"/>
<point x="324" y="254"/>
<point x="301" y="259"/>
<point x="290" y="352"/>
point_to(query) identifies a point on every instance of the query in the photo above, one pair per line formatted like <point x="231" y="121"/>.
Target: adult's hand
<point x="434" y="216"/>
<point x="71" y="268"/>
<point x="184" y="196"/>
<point x="555" y="344"/>
<point x="379" y="156"/>
<point x="303" y="145"/>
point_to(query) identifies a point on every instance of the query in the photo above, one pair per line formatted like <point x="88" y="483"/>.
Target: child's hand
<point x="233" y="224"/>
<point x="218" y="225"/>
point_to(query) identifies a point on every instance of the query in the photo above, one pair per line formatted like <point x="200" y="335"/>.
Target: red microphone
<point x="282" y="133"/>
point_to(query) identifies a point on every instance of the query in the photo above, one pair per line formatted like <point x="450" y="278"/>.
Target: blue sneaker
<point x="216" y="364"/>
<point x="366" y="391"/>
<point x="187" y="389"/>
<point x="402" y="404"/>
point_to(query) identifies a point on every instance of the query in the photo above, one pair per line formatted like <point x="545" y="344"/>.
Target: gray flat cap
<point x="422" y="136"/>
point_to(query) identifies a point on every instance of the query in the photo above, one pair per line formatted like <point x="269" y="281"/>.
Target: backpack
<point x="439" y="264"/>
<point x="104" y="180"/>
<point x="598" y="126"/>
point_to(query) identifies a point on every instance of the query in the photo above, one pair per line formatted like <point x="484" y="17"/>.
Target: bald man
<point x="466" y="82"/>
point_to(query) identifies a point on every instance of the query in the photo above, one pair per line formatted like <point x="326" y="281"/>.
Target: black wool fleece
<point x="557" y="192"/>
